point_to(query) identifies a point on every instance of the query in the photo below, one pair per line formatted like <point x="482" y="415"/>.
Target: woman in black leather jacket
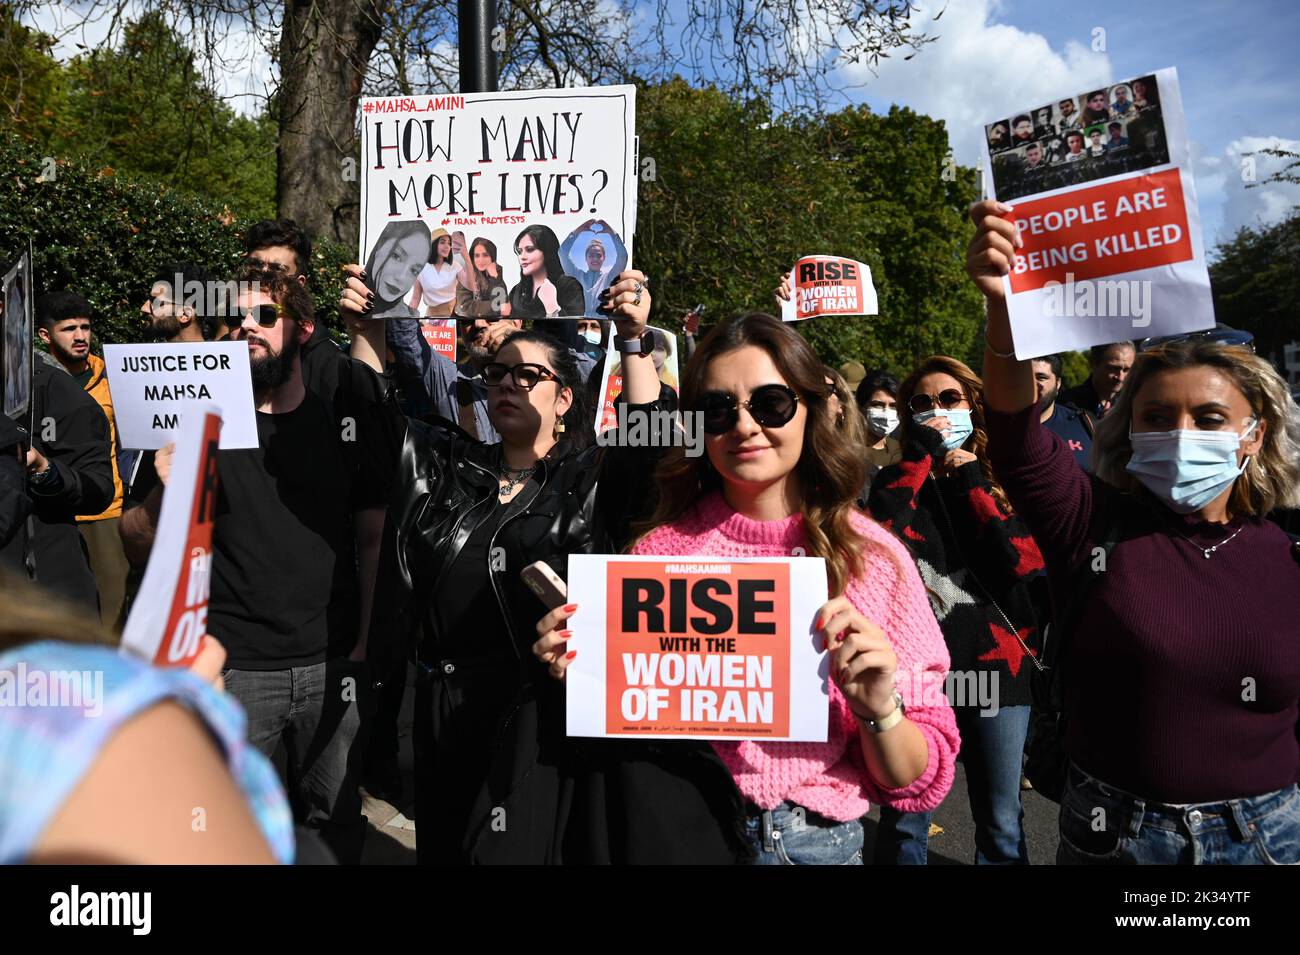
<point x="497" y="780"/>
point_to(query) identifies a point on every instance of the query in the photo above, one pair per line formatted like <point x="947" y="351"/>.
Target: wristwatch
<point x="637" y="346"/>
<point x="887" y="722"/>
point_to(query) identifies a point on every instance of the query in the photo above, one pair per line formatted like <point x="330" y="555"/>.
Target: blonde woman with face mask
<point x="1180" y="653"/>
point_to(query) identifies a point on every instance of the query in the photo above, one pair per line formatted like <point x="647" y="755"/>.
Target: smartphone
<point x="693" y="319"/>
<point x="546" y="583"/>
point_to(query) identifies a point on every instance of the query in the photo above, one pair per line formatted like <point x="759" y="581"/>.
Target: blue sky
<point x="1237" y="66"/>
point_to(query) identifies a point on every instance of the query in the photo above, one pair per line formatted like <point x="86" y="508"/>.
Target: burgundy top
<point x="1182" y="674"/>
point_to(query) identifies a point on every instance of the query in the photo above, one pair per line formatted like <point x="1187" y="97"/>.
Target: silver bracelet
<point x="994" y="352"/>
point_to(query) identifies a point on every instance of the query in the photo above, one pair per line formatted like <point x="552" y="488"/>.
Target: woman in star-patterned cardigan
<point x="979" y="563"/>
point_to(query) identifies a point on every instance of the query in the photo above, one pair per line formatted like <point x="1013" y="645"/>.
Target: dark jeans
<point x="991" y="749"/>
<point x="1102" y="825"/>
<point x="318" y="712"/>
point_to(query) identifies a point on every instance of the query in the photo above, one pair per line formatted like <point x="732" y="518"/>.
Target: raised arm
<point x="1008" y="382"/>
<point x="1053" y="496"/>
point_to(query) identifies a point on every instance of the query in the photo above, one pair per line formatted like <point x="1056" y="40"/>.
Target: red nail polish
<point x="564" y="634"/>
<point x="571" y="654"/>
<point x="569" y="608"/>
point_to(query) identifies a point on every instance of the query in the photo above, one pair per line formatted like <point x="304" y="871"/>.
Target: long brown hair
<point x="973" y="387"/>
<point x="29" y="614"/>
<point x="831" y="469"/>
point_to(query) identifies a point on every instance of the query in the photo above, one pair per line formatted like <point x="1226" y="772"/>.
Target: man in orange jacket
<point x="63" y="323"/>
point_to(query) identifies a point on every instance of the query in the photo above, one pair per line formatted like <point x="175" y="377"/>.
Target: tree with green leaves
<point x="1255" y="279"/>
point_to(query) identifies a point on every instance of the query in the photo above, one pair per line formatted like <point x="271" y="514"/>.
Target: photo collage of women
<point x="1100" y="133"/>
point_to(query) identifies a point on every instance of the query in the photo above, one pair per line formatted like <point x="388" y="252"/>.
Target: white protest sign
<point x="1101" y="185"/>
<point x="170" y="613"/>
<point x="524" y="199"/>
<point x="829" y="285"/>
<point x="696" y="646"/>
<point x="154" y="386"/>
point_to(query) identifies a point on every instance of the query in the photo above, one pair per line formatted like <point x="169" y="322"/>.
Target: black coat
<point x="567" y="800"/>
<point x="71" y="431"/>
<point x="15" y="505"/>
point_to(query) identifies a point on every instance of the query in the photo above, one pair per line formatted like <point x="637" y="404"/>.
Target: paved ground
<point x="391" y="840"/>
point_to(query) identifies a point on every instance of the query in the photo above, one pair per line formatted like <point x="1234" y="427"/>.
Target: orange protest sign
<point x="829" y="285"/>
<point x="440" y="333"/>
<point x="687" y="647"/>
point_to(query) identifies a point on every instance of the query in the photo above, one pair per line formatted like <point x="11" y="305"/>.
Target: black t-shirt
<point x="468" y="615"/>
<point x="284" y="574"/>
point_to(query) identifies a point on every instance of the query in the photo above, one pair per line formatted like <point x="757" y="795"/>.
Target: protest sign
<point x="521" y="204"/>
<point x="16" y="297"/>
<point x="665" y="358"/>
<point x="1102" y="190"/>
<point x="170" y="613"/>
<point x="440" y="333"/>
<point x="611" y="385"/>
<point x="829" y="285"/>
<point x="695" y="646"/>
<point x="154" y="386"/>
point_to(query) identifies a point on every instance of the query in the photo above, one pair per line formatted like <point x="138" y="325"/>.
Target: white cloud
<point x="240" y="66"/>
<point x="1262" y="205"/>
<point x="978" y="71"/>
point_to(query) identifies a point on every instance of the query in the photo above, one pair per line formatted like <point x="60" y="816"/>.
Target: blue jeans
<point x="318" y="712"/>
<point x="792" y="835"/>
<point x="991" y="750"/>
<point x="1102" y="825"/>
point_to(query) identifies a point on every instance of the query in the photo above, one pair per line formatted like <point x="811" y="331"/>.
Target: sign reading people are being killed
<point x="1101" y="187"/>
<point x="524" y="199"/>
<point x="692" y="646"/>
<point x="170" y="615"/>
<point x="155" y="386"/>
<point x="829" y="285"/>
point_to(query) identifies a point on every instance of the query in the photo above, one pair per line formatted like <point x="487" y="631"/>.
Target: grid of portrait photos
<point x="1102" y="132"/>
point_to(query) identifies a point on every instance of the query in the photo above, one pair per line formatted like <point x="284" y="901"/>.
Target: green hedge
<point x="103" y="236"/>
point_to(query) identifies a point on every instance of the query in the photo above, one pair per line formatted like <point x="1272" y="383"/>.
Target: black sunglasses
<point x="948" y="398"/>
<point x="772" y="406"/>
<point x="527" y="375"/>
<point x="265" y="314"/>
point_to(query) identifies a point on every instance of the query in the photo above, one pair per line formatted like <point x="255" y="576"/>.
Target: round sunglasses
<point x="772" y="406"/>
<point x="527" y="375"/>
<point x="948" y="398"/>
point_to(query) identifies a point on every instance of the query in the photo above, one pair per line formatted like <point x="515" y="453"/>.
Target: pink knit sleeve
<point x="922" y="667"/>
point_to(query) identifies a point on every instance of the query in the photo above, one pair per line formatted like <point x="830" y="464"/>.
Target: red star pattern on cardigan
<point x="984" y="507"/>
<point x="912" y="535"/>
<point x="1031" y="559"/>
<point x="1009" y="648"/>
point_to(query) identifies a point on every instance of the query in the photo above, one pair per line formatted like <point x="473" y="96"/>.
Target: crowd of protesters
<point x="1099" y="575"/>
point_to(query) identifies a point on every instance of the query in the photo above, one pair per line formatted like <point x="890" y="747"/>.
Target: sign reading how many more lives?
<point x="698" y="647"/>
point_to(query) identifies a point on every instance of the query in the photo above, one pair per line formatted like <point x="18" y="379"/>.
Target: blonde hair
<point x="1272" y="475"/>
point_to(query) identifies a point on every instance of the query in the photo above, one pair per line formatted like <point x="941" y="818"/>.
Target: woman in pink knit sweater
<point x="778" y="479"/>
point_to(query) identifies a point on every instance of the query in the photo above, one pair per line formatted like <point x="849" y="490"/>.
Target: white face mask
<point x="592" y="336"/>
<point x="882" y="421"/>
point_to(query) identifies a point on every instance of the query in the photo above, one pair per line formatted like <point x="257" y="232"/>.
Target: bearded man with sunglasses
<point x="293" y="568"/>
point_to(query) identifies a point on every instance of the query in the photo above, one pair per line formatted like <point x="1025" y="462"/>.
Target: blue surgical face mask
<point x="592" y="336"/>
<point x="1187" y="469"/>
<point x="958" y="418"/>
